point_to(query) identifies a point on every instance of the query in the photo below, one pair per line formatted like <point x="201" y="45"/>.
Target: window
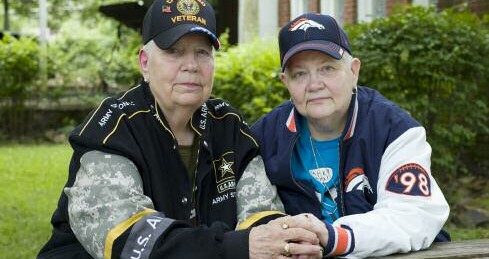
<point x="298" y="7"/>
<point x="335" y="8"/>
<point x="370" y="9"/>
<point x="425" y="3"/>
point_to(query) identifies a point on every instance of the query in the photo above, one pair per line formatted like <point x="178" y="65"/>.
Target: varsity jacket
<point x="387" y="199"/>
<point x="128" y="193"/>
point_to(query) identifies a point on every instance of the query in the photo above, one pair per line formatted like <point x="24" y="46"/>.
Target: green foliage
<point x="19" y="65"/>
<point x="94" y="58"/>
<point x="24" y="12"/>
<point x="32" y="180"/>
<point x="435" y="66"/>
<point x="464" y="233"/>
<point x="247" y="76"/>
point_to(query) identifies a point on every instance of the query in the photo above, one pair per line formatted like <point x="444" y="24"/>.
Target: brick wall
<point x="479" y="7"/>
<point x="314" y="6"/>
<point x="350" y="15"/>
<point x="283" y="12"/>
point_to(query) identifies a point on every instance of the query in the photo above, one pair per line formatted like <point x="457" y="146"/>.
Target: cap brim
<point x="326" y="47"/>
<point x="167" y="38"/>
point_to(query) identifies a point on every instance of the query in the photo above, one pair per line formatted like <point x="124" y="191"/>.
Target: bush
<point x="435" y="66"/>
<point x="95" y="59"/>
<point x="19" y="66"/>
<point x="248" y="77"/>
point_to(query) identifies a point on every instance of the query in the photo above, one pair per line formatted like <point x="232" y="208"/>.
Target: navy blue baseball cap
<point x="166" y="21"/>
<point x="312" y="31"/>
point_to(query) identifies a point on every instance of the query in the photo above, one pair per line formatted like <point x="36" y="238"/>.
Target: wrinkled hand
<point x="287" y="233"/>
<point x="309" y="222"/>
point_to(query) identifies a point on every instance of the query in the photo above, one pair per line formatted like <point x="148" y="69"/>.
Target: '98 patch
<point x="410" y="179"/>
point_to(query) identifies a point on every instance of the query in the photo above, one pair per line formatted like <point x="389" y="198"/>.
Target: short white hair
<point x="148" y="46"/>
<point x="347" y="58"/>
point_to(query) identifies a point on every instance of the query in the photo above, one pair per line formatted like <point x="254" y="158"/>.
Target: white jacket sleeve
<point x="410" y="208"/>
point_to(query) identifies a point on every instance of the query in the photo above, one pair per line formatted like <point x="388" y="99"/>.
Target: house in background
<point x="263" y="18"/>
<point x="248" y="19"/>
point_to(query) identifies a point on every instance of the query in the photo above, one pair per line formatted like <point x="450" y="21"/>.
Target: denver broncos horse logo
<point x="357" y="180"/>
<point x="304" y="24"/>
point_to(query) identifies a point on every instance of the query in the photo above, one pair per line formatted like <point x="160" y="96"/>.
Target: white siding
<point x="268" y="18"/>
<point x="335" y="8"/>
<point x="257" y="19"/>
<point x="370" y="9"/>
<point x="425" y="3"/>
<point x="298" y="7"/>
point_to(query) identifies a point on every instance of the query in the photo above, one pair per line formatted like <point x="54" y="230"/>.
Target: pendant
<point x="322" y="175"/>
<point x="333" y="193"/>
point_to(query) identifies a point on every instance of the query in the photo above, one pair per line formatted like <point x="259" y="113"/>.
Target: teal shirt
<point x="318" y="162"/>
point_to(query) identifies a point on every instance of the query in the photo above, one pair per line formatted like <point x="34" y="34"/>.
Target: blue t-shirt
<point x="318" y="162"/>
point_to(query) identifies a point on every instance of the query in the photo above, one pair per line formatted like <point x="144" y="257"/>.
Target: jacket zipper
<point x="341" y="176"/>
<point x="290" y="170"/>
<point x="194" y="199"/>
<point x="341" y="205"/>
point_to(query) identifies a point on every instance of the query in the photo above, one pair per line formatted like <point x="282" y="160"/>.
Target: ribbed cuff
<point x="340" y="241"/>
<point x="235" y="244"/>
<point x="260" y="218"/>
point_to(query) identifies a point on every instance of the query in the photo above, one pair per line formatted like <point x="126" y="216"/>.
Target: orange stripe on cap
<point x="291" y="121"/>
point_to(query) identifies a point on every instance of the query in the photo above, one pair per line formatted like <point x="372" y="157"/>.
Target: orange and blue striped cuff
<point x="340" y="241"/>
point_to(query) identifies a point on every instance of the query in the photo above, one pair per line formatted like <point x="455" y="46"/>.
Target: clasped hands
<point x="302" y="236"/>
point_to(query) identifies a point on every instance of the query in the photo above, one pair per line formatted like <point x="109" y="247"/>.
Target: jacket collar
<point x="348" y="131"/>
<point x="198" y="121"/>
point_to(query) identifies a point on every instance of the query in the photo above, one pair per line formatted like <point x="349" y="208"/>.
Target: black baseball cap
<point x="312" y="31"/>
<point x="166" y="21"/>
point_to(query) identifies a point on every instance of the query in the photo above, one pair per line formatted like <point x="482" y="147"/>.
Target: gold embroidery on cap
<point x="188" y="7"/>
<point x="201" y="2"/>
<point x="189" y="18"/>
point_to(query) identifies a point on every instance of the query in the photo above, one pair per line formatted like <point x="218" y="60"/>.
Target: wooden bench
<point x="478" y="248"/>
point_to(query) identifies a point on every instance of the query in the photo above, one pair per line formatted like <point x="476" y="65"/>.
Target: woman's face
<point x="182" y="75"/>
<point x="319" y="85"/>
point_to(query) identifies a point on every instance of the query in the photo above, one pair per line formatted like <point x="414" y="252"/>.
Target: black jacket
<point x="131" y="125"/>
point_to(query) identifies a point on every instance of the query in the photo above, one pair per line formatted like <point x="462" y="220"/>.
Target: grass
<point x="32" y="177"/>
<point x="460" y="233"/>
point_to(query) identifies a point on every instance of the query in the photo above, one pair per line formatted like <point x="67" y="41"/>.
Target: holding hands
<point x="302" y="236"/>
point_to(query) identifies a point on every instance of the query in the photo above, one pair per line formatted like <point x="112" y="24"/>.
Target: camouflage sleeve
<point x="107" y="190"/>
<point x="256" y="196"/>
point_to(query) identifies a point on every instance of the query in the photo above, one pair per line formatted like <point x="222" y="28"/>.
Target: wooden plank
<point x="461" y="249"/>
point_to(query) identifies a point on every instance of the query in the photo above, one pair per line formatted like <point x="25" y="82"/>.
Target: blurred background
<point x="60" y="58"/>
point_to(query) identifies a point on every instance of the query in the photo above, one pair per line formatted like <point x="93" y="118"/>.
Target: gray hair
<point x="148" y="47"/>
<point x="347" y="59"/>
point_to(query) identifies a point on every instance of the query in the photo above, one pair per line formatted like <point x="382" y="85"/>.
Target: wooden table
<point x="478" y="248"/>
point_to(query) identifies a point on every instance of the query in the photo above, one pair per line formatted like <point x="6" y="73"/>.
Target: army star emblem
<point x="225" y="167"/>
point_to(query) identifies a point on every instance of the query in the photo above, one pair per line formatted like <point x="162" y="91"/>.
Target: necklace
<point x="321" y="174"/>
<point x="324" y="175"/>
